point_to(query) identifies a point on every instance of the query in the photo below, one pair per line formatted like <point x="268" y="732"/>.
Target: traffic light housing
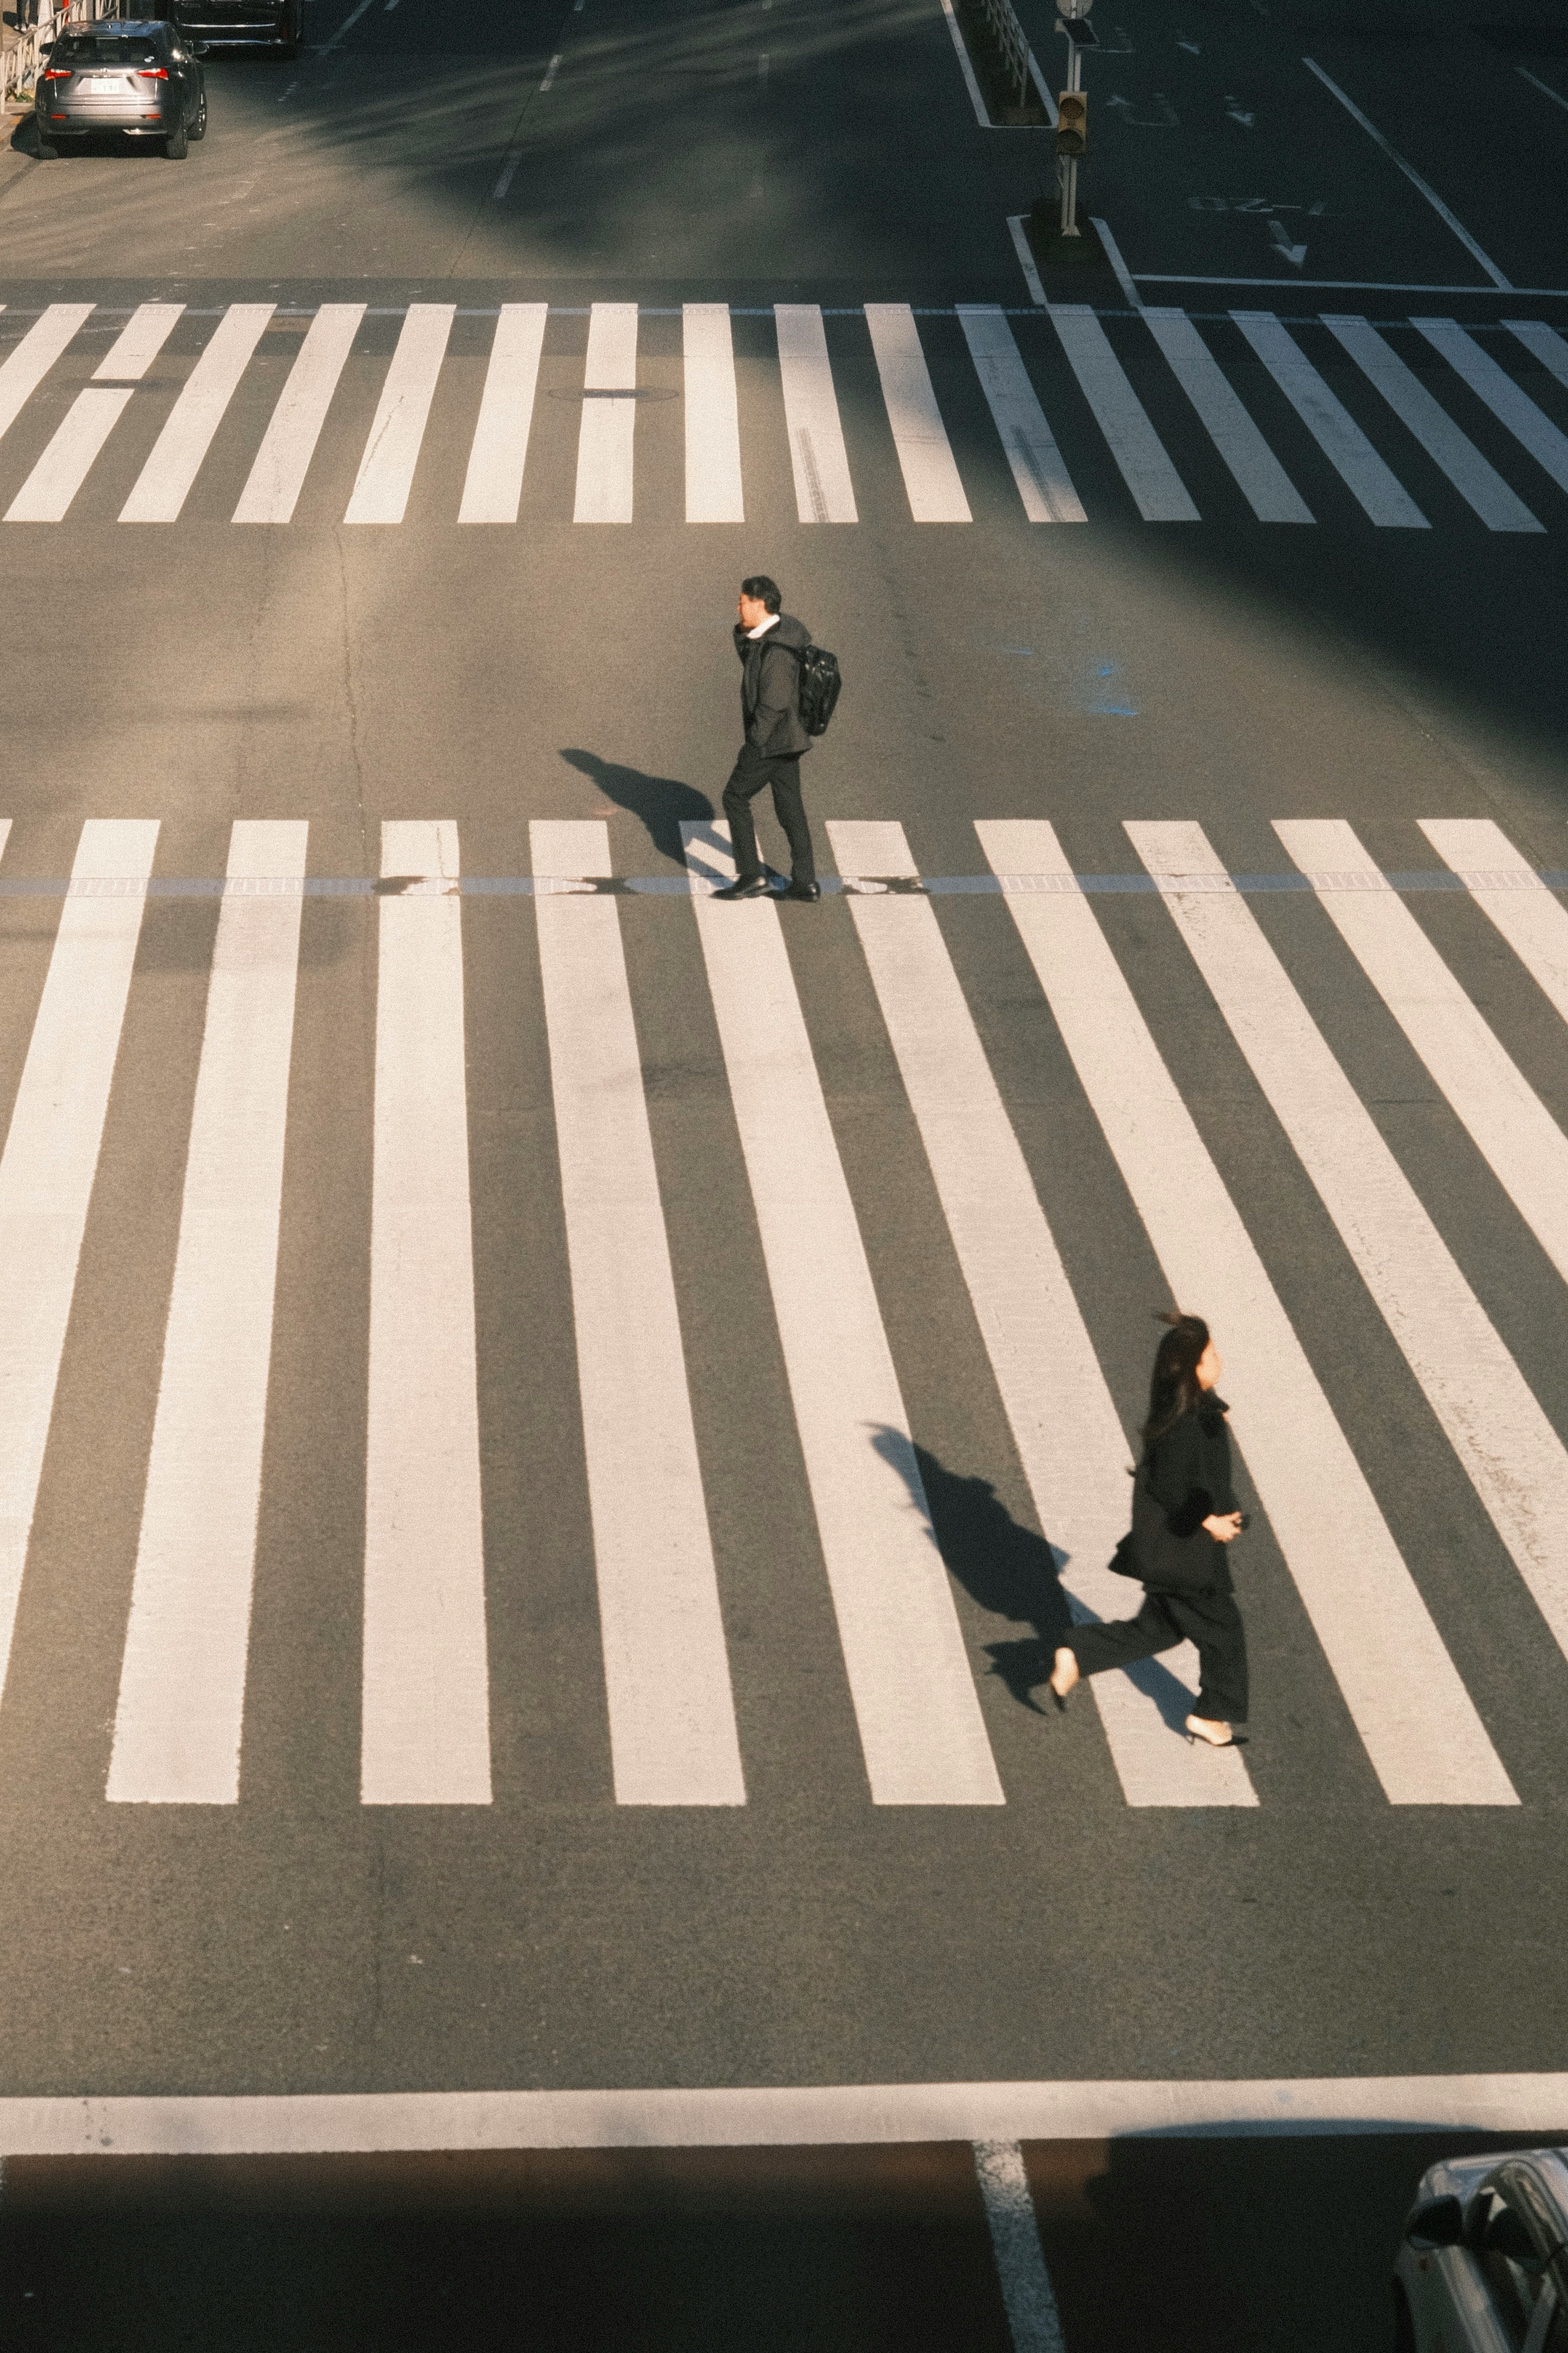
<point x="1072" y="124"/>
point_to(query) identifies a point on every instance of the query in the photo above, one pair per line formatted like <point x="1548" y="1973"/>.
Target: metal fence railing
<point x="1012" y="42"/>
<point x="19" y="64"/>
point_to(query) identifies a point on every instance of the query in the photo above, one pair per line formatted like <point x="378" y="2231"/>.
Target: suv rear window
<point x="105" y="49"/>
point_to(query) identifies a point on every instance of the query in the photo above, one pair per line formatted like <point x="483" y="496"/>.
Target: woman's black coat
<point x="1183" y="1478"/>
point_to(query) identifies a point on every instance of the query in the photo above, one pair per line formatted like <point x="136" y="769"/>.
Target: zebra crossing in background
<point x="1036" y="374"/>
<point x="426" y="1716"/>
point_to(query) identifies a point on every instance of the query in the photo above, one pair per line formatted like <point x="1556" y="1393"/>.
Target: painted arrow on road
<point x="1294" y="253"/>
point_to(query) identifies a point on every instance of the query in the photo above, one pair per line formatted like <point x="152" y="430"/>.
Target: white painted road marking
<point x="975" y="100"/>
<point x="492" y="488"/>
<point x="1039" y="468"/>
<point x="1503" y="1114"/>
<point x="164" y="482"/>
<point x="277" y="477"/>
<point x="24" y="368"/>
<point x="1262" y="478"/>
<point x="1515" y="1459"/>
<point x="1158" y="491"/>
<point x="64" y="467"/>
<point x="1507" y="400"/>
<point x="426" y="1691"/>
<point x="1476" y="482"/>
<point x="822" y="490"/>
<point x="604" y="487"/>
<point x="138" y="343"/>
<point x="714" y="492"/>
<point x="1070" y="1441"/>
<point x="922" y="1731"/>
<point x="1533" y="922"/>
<point x="666" y="1670"/>
<point x="1430" y="193"/>
<point x="919" y="436"/>
<point x="49" y="1162"/>
<point x="386" y="470"/>
<point x="1026" y="2292"/>
<point x="182" y="1682"/>
<point x="1425" y="1742"/>
<point x="773" y="2115"/>
<point x="1542" y="342"/>
<point x="1369" y="482"/>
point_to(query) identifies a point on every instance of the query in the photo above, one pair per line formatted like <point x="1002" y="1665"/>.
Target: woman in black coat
<point x="1184" y="1515"/>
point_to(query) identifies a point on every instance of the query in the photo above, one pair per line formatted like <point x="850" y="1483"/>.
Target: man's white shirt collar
<point x="763" y="627"/>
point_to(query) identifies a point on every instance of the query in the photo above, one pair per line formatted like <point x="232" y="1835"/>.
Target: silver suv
<point x="142" y="78"/>
<point x="1483" y="2267"/>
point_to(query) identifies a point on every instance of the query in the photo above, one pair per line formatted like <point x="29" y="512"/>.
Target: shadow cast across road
<point x="662" y="804"/>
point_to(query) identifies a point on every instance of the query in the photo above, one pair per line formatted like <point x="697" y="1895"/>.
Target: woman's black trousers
<point x="1208" y="1617"/>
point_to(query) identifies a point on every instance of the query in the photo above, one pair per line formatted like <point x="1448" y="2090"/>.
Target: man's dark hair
<point x="759" y="585"/>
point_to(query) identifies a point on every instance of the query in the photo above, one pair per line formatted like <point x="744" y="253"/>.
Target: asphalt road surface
<point x="549" y="1428"/>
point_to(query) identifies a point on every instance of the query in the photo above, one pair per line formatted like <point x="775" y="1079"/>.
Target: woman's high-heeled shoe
<point x="1059" y="1694"/>
<point x="1196" y="1733"/>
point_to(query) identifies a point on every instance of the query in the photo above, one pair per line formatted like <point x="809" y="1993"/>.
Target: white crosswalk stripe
<point x="386" y="470"/>
<point x="181" y="1685"/>
<point x="1515" y="1459"/>
<point x="913" y="1688"/>
<point x="1420" y="1730"/>
<point x="672" y="1719"/>
<point x="1029" y="375"/>
<point x="1064" y="1422"/>
<point x="1365" y="474"/>
<point x="276" y="479"/>
<point x="427" y="1699"/>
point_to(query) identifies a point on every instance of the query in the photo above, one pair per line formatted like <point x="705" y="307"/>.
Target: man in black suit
<point x="770" y="706"/>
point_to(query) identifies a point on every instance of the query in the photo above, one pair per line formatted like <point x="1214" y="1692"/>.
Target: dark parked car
<point x="277" y="25"/>
<point x="143" y="79"/>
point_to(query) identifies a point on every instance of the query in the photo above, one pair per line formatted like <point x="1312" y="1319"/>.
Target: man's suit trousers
<point x="752" y="771"/>
<point x="1210" y="1617"/>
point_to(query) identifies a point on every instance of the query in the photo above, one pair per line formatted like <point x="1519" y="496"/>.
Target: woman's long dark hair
<point x="1173" y="1385"/>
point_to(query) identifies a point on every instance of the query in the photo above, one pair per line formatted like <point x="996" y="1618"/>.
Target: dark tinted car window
<point x="105" y="49"/>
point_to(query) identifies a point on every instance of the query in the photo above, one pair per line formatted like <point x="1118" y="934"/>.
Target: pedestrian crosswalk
<point x="1336" y="420"/>
<point x="925" y="1719"/>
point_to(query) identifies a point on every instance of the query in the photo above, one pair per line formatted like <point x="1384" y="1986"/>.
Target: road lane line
<point x="138" y="343"/>
<point x="714" y="492"/>
<point x="822" y="490"/>
<point x="666" y="1670"/>
<point x="1039" y="468"/>
<point x="386" y="470"/>
<point x="919" y="436"/>
<point x="164" y="482"/>
<point x="1026" y="2292"/>
<point x="1503" y="1114"/>
<point x="276" y="479"/>
<point x="981" y="115"/>
<point x="1543" y="343"/>
<point x="47" y="494"/>
<point x="1533" y="922"/>
<point x="1261" y="478"/>
<point x="1158" y="491"/>
<point x="1413" y="176"/>
<point x="922" y="1731"/>
<point x="182" y="1684"/>
<point x="1422" y="1735"/>
<point x="49" y="1160"/>
<point x="1478" y="483"/>
<point x="426" y="1687"/>
<point x="510" y="162"/>
<point x="1507" y="401"/>
<point x="604" y="443"/>
<point x="1514" y="1458"/>
<point x="774" y="2115"/>
<point x="1124" y="277"/>
<point x="1071" y="1445"/>
<point x="1019" y="234"/>
<point x="551" y="70"/>
<point x="347" y="25"/>
<point x="24" y="368"/>
<point x="492" y="488"/>
<point x="1543" y="87"/>
<point x="1369" y="481"/>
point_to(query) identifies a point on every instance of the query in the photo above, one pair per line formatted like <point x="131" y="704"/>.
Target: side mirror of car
<point x="1435" y="2222"/>
<point x="198" y="49"/>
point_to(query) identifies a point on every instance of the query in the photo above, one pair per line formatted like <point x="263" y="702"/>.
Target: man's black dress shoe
<point x="810" y="892"/>
<point x="750" y="886"/>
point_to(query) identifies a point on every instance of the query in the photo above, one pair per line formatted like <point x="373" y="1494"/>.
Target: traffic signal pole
<point x="1072" y="109"/>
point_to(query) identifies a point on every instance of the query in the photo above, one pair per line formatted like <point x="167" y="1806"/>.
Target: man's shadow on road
<point x="663" y="804"/>
<point x="1012" y="1572"/>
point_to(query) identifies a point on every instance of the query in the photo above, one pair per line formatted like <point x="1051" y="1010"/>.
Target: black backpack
<point x="820" y="683"/>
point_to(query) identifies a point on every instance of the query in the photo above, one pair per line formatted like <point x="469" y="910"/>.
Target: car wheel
<point x="199" y="127"/>
<point x="177" y="145"/>
<point x="1404" y="2327"/>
